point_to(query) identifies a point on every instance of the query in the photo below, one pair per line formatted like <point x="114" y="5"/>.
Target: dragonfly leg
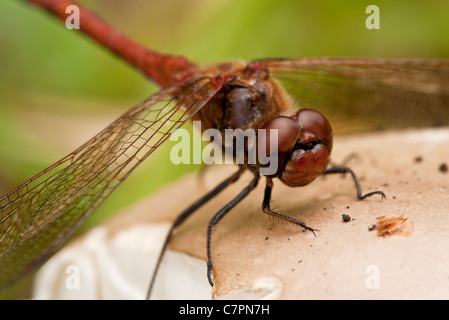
<point x="186" y="213"/>
<point x="220" y="214"/>
<point x="267" y="209"/>
<point x="345" y="170"/>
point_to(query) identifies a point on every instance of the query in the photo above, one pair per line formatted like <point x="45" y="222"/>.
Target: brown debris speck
<point x="390" y="225"/>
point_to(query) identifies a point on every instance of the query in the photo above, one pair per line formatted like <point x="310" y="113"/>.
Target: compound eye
<point x="288" y="130"/>
<point x="314" y="122"/>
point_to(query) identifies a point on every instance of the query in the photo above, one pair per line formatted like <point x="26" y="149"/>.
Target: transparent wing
<point x="40" y="215"/>
<point x="362" y="94"/>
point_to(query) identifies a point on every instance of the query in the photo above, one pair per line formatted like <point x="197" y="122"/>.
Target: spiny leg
<point x="186" y="213"/>
<point x="220" y="214"/>
<point x="267" y="209"/>
<point x="354" y="178"/>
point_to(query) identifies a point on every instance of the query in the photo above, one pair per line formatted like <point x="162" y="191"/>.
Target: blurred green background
<point x="58" y="89"/>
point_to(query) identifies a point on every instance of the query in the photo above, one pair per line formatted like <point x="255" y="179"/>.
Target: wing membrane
<point x="365" y="94"/>
<point x="40" y="215"/>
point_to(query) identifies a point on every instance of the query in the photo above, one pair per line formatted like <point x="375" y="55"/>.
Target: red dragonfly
<point x="38" y="217"/>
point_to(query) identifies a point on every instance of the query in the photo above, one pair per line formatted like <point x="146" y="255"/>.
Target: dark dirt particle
<point x="418" y="159"/>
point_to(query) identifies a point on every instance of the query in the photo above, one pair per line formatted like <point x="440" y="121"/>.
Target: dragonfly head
<point x="304" y="144"/>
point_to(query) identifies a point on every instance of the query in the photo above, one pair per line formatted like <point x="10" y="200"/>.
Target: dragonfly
<point x="40" y="215"/>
